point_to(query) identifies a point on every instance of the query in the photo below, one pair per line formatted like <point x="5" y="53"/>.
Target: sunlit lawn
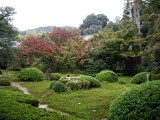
<point x="90" y="104"/>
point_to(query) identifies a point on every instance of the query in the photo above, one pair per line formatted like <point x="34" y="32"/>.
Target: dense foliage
<point x="94" y="83"/>
<point x="15" y="106"/>
<point x="31" y="74"/>
<point x="5" y="83"/>
<point x="7" y="36"/>
<point x="74" y="85"/>
<point x="140" y="102"/>
<point x="142" y="77"/>
<point x="55" y="76"/>
<point x="59" y="87"/>
<point x="107" y="75"/>
<point x="92" y="23"/>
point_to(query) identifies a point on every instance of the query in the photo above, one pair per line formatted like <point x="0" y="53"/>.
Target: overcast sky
<point x="35" y="13"/>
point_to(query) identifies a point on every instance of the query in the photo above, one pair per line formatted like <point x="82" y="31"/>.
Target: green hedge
<point x="5" y="83"/>
<point x="94" y="83"/>
<point x="139" y="103"/>
<point x="142" y="77"/>
<point x="74" y="85"/>
<point x="108" y="76"/>
<point x="31" y="74"/>
<point x="15" y="106"/>
<point x="55" y="76"/>
<point x="59" y="87"/>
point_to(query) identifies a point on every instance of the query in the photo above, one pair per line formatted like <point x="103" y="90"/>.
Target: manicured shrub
<point x="85" y="84"/>
<point x="94" y="83"/>
<point x="55" y="76"/>
<point x="142" y="77"/>
<point x="65" y="79"/>
<point x="139" y="103"/>
<point x="5" y="83"/>
<point x="74" y="85"/>
<point x="18" y="106"/>
<point x="0" y="72"/>
<point x="51" y="85"/>
<point x="31" y="74"/>
<point x="108" y="76"/>
<point x="59" y="87"/>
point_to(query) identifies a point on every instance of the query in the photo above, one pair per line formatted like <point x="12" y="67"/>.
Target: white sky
<point x="35" y="13"/>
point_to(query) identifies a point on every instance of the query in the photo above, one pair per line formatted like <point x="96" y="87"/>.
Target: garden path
<point x="25" y="91"/>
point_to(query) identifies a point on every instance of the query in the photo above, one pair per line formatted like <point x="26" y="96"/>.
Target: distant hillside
<point x="44" y="29"/>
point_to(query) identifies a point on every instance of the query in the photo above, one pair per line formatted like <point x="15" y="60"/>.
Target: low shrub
<point x="142" y="77"/>
<point x="65" y="79"/>
<point x="108" y="76"/>
<point x="18" y="106"/>
<point x="51" y="85"/>
<point x="31" y="74"/>
<point x="94" y="83"/>
<point x="85" y="84"/>
<point x="59" y="87"/>
<point x="0" y="72"/>
<point x="139" y="103"/>
<point x="74" y="85"/>
<point x="55" y="76"/>
<point x="5" y="83"/>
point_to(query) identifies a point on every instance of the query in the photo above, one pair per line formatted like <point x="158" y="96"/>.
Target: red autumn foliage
<point x="60" y="35"/>
<point x="35" y="45"/>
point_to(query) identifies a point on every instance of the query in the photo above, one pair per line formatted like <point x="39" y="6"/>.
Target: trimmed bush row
<point x="55" y="76"/>
<point x="81" y="82"/>
<point x="31" y="74"/>
<point x="138" y="103"/>
<point x="107" y="75"/>
<point x="5" y="83"/>
<point x="17" y="106"/>
<point x="142" y="77"/>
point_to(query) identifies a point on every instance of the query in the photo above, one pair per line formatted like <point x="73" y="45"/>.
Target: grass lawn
<point x="86" y="104"/>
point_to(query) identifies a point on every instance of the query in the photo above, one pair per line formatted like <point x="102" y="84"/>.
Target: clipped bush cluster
<point x="108" y="76"/>
<point x="5" y="83"/>
<point x="59" y="87"/>
<point x="17" y="106"/>
<point x="31" y="74"/>
<point x="94" y="83"/>
<point x="74" y="85"/>
<point x="55" y="76"/>
<point x="139" y="103"/>
<point x="142" y="77"/>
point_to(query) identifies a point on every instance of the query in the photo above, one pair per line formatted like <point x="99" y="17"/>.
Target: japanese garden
<point x="101" y="70"/>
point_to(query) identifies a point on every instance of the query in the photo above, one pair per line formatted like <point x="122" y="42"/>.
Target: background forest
<point x="127" y="46"/>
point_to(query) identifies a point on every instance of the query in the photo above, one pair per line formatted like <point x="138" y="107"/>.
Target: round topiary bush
<point x="85" y="84"/>
<point x="5" y="83"/>
<point x="142" y="77"/>
<point x="51" y="84"/>
<point x="74" y="85"/>
<point x="31" y="74"/>
<point x="59" y="87"/>
<point x="139" y="103"/>
<point x="55" y="76"/>
<point x="94" y="83"/>
<point x="108" y="76"/>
